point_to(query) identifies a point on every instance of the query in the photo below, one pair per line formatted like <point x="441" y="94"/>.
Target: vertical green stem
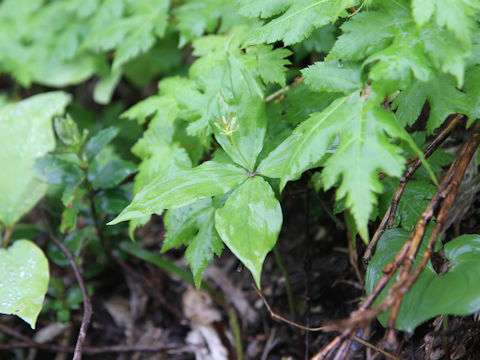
<point x="235" y="327"/>
<point x="6" y="236"/>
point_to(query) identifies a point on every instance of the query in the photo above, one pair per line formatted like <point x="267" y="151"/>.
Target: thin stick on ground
<point x="389" y="217"/>
<point x="280" y="318"/>
<point x="87" y="304"/>
<point x="405" y="257"/>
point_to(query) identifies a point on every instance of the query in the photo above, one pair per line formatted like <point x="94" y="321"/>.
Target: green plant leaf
<point x="299" y="20"/>
<point x="182" y="188"/>
<point x="23" y="280"/>
<point x="363" y="149"/>
<point x="455" y="15"/>
<point x="241" y="121"/>
<point x="307" y="144"/>
<point x="333" y="76"/>
<point x="428" y="296"/>
<point x="368" y="32"/>
<point x="270" y="63"/>
<point x="250" y="222"/>
<point x="194" y="226"/>
<point x="25" y="134"/>
<point x="442" y="95"/>
<point x="98" y="141"/>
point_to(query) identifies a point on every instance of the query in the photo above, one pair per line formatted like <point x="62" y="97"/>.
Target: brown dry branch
<point x="280" y="318"/>
<point x="87" y="304"/>
<point x="389" y="217"/>
<point x="406" y="256"/>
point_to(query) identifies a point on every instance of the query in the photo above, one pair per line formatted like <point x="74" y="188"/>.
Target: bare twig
<point x="405" y="257"/>
<point x="389" y="217"/>
<point x="87" y="305"/>
<point x="282" y="91"/>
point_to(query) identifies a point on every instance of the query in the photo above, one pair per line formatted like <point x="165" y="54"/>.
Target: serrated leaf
<point x="308" y="143"/>
<point x="25" y="134"/>
<point x="270" y="63"/>
<point x="368" y="32"/>
<point x="402" y="61"/>
<point x="455" y="15"/>
<point x="194" y="226"/>
<point x="24" y="279"/>
<point x="427" y="298"/>
<point x="182" y="188"/>
<point x="250" y="222"/>
<point x="415" y="198"/>
<point x="333" y="76"/>
<point x="263" y="9"/>
<point x="443" y="97"/>
<point x="445" y="51"/>
<point x="300" y="19"/>
<point x="363" y="150"/>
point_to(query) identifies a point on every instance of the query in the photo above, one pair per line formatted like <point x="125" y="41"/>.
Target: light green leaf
<point x="182" y="188"/>
<point x="194" y="226"/>
<point x="455" y="15"/>
<point x="263" y="9"/>
<point x="300" y="19"/>
<point x="25" y="134"/>
<point x="363" y="149"/>
<point x="24" y="279"/>
<point x="445" y="51"/>
<point x="442" y="95"/>
<point x="368" y="32"/>
<point x="400" y="62"/>
<point x="241" y="121"/>
<point x="308" y="143"/>
<point x="428" y="296"/>
<point x="250" y="222"/>
<point x="333" y="76"/>
<point x="270" y="63"/>
<point x="105" y="87"/>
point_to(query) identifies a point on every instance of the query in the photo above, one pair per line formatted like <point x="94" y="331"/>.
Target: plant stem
<point x="6" y="236"/>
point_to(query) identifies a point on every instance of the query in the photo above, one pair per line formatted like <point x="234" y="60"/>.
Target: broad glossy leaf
<point x="442" y="95"/>
<point x="455" y="293"/>
<point x="300" y="19"/>
<point x="182" y="188"/>
<point x="308" y="142"/>
<point x="23" y="280"/>
<point x="194" y="226"/>
<point x="241" y="117"/>
<point x="334" y="76"/>
<point x="25" y="134"/>
<point x="250" y="222"/>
